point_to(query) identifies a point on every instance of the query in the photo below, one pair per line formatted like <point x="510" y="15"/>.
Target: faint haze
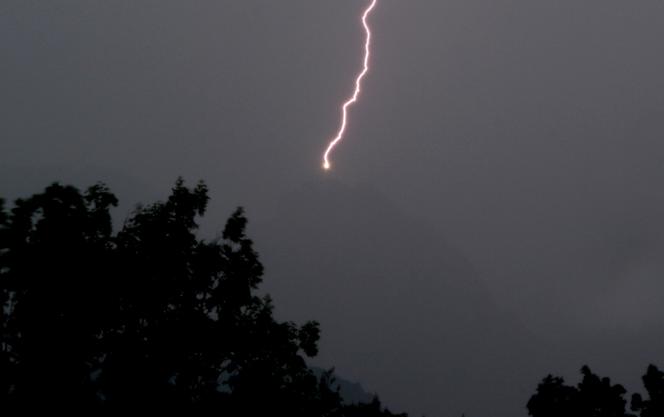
<point x="504" y="165"/>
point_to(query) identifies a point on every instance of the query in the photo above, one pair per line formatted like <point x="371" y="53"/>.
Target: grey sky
<point x="522" y="138"/>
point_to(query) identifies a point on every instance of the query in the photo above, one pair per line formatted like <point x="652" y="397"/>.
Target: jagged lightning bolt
<point x="358" y="87"/>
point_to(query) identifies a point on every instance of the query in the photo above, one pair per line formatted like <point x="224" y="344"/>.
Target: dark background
<point x="494" y="214"/>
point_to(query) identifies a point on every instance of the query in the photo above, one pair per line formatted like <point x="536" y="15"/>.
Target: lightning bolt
<point x="358" y="87"/>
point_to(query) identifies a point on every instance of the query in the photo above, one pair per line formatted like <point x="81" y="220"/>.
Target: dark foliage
<point x="372" y="409"/>
<point x="596" y="397"/>
<point x="653" y="380"/>
<point x="149" y="319"/>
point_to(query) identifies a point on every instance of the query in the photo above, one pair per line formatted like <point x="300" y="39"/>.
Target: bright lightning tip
<point x="326" y="166"/>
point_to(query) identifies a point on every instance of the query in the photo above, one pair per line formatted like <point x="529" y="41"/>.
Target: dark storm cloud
<point x="525" y="134"/>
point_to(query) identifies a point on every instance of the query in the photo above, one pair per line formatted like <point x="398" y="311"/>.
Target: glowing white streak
<point x="358" y="87"/>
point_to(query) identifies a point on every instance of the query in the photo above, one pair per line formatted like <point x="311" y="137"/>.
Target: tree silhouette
<point x="149" y="319"/>
<point x="593" y="397"/>
<point x="653" y="381"/>
<point x="598" y="397"/>
<point x="53" y="312"/>
<point x="553" y="399"/>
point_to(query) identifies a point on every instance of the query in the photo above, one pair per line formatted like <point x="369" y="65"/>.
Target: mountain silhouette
<point x="350" y="392"/>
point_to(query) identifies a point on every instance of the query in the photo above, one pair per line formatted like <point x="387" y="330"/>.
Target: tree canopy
<point x="596" y="397"/>
<point x="150" y="318"/>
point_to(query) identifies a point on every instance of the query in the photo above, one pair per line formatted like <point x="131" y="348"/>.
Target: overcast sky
<point x="499" y="189"/>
